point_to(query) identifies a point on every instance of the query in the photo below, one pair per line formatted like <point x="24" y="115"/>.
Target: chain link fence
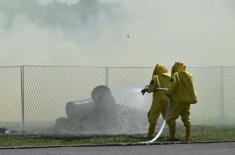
<point x="35" y="96"/>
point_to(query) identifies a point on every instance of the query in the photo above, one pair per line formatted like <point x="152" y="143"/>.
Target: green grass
<point x="198" y="134"/>
<point x="28" y="141"/>
<point x="213" y="134"/>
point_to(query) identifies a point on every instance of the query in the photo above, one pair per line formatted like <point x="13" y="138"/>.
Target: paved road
<point x="169" y="149"/>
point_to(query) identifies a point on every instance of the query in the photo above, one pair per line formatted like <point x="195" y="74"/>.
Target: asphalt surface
<point x="227" y="148"/>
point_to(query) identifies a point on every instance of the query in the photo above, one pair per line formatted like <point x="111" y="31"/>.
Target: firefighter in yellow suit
<point x="182" y="95"/>
<point x="160" y="78"/>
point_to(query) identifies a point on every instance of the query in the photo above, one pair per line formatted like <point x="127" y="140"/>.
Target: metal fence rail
<point x="33" y="95"/>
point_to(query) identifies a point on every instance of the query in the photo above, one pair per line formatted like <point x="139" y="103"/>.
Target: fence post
<point x="22" y="96"/>
<point x="222" y="93"/>
<point x="107" y="76"/>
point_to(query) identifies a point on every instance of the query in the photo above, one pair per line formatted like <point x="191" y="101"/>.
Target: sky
<point x="144" y="33"/>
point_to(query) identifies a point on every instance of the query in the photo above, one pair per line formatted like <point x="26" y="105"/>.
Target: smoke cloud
<point x="117" y="32"/>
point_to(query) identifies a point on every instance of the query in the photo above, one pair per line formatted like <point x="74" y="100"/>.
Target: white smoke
<point x="69" y="2"/>
<point x="144" y="33"/>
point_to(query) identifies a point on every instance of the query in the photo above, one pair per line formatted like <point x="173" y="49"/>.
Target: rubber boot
<point x="172" y="130"/>
<point x="151" y="130"/>
<point x="187" y="133"/>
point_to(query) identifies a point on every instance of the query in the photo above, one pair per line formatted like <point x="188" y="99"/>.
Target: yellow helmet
<point x="178" y="67"/>
<point x="159" y="69"/>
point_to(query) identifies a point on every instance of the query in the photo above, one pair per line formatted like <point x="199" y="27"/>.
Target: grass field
<point x="199" y="133"/>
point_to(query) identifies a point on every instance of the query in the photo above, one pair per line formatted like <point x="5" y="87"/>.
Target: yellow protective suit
<point x="182" y="94"/>
<point x="160" y="78"/>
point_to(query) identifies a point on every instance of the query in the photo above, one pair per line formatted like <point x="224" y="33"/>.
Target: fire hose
<point x="164" y="119"/>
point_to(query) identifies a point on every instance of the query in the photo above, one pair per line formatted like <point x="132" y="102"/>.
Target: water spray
<point x="137" y="90"/>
